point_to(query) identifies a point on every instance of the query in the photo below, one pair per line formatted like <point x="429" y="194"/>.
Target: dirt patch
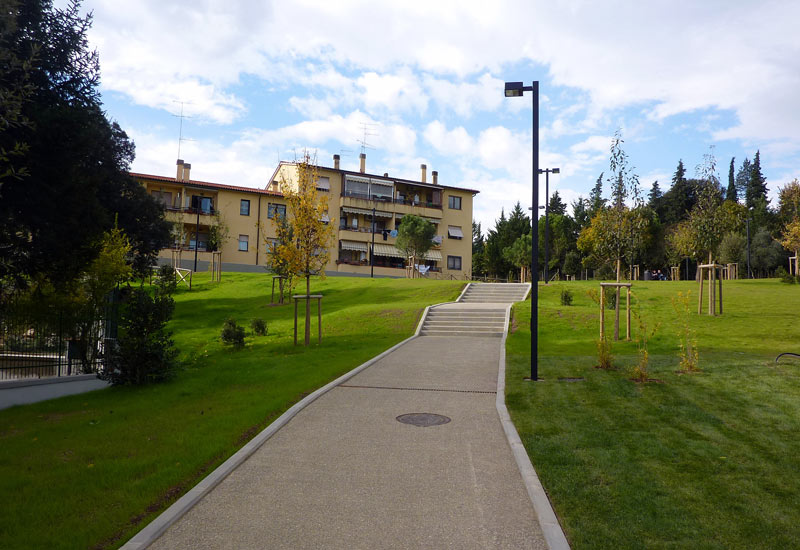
<point x="648" y="381"/>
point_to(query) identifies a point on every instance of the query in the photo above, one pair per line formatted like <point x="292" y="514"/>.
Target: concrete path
<point x="345" y="473"/>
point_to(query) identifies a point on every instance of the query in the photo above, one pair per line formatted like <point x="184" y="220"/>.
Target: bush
<point x="785" y="277"/>
<point x="144" y="352"/>
<point x="232" y="334"/>
<point x="166" y="280"/>
<point x="566" y="297"/>
<point x="604" y="358"/>
<point x="259" y="327"/>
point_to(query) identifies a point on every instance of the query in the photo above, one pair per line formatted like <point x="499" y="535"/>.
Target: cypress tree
<point x="731" y="194"/>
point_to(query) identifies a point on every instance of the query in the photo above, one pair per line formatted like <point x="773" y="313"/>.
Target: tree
<point x="705" y="219"/>
<point x="789" y="201"/>
<point x="280" y="254"/>
<point x="77" y="161"/>
<point x="519" y="255"/>
<point x="596" y="200"/>
<point x="790" y="238"/>
<point x="556" y="205"/>
<point x="731" y="194"/>
<point x="732" y="249"/>
<point x="504" y="234"/>
<point x="765" y="252"/>
<point x="743" y="178"/>
<point x="415" y="237"/>
<point x="756" y="185"/>
<point x="478" y="251"/>
<point x="680" y="198"/>
<point x="312" y="235"/>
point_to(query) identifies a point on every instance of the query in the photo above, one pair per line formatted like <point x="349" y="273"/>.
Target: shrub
<point x="259" y="327"/>
<point x="785" y="277"/>
<point x="232" y="334"/>
<point x="566" y="297"/>
<point x="144" y="352"/>
<point x="165" y="279"/>
<point x="688" y="344"/>
<point x="604" y="358"/>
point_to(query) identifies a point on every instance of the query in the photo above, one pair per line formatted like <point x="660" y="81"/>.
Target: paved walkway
<point x="344" y="473"/>
<point x="23" y="392"/>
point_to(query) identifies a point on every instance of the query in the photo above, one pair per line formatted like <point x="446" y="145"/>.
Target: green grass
<point x="88" y="471"/>
<point x="705" y="460"/>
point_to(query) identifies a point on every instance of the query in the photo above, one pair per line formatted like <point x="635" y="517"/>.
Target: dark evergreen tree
<point x="756" y="185"/>
<point x="504" y="234"/>
<point x="731" y="194"/>
<point x="680" y="198"/>
<point x="580" y="213"/>
<point x="743" y="178"/>
<point x="77" y="161"/>
<point x="478" y="251"/>
<point x="596" y="200"/>
<point x="556" y="205"/>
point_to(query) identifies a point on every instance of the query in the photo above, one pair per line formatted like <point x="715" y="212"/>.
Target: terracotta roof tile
<point x="208" y="184"/>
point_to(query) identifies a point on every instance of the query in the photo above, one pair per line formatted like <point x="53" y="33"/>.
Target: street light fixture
<point x="516" y="89"/>
<point x="547" y="172"/>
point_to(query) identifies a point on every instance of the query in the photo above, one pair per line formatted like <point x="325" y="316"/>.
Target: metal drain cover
<point x="423" y="420"/>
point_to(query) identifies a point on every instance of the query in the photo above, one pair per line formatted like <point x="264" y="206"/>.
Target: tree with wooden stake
<point x="312" y="236"/>
<point x="791" y="241"/>
<point x="280" y="256"/>
<point x="415" y="238"/>
<point x="519" y="254"/>
<point x="615" y="232"/>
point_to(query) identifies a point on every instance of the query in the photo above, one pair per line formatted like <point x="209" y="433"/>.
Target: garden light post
<point x="516" y="89"/>
<point x="196" y="236"/>
<point x="547" y="172"/>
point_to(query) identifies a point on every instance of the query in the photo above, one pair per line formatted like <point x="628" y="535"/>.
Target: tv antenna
<point x="366" y="128"/>
<point x="345" y="152"/>
<point x="180" y="131"/>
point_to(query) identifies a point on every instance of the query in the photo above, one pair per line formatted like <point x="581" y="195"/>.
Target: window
<point x="273" y="208"/>
<point x="164" y="197"/>
<point x="243" y="241"/>
<point x="454" y="232"/>
<point x="270" y="245"/>
<point x="454" y="202"/>
<point x="202" y="203"/>
<point x="454" y="262"/>
<point x="244" y="207"/>
<point x="324" y="183"/>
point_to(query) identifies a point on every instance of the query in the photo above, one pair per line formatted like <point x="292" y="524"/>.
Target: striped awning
<point x="364" y="211"/>
<point x="387" y="250"/>
<point x="353" y="245"/>
<point x="393" y="252"/>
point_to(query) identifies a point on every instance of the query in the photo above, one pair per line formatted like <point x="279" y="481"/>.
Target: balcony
<point x="387" y="204"/>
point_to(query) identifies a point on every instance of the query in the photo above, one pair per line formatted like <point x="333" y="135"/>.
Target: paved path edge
<point x="156" y="528"/>
<point x="548" y="521"/>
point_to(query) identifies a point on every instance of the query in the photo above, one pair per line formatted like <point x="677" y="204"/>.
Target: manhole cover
<point x="423" y="419"/>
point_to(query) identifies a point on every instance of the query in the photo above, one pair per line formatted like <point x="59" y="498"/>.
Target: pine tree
<point x="556" y="205"/>
<point x="681" y="197"/>
<point x="731" y="194"/>
<point x="757" y="184"/>
<point x="596" y="200"/>
<point x="742" y="178"/>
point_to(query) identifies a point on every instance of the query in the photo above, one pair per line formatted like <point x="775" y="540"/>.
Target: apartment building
<point x="199" y="209"/>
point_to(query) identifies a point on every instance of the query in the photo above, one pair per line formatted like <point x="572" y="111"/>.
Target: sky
<point x="422" y="82"/>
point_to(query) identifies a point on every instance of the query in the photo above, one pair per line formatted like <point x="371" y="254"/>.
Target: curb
<point x="7" y="385"/>
<point x="548" y="521"/>
<point x="156" y="528"/>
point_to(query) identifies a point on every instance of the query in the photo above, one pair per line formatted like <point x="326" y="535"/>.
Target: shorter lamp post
<point x="547" y="172"/>
<point x="749" y="272"/>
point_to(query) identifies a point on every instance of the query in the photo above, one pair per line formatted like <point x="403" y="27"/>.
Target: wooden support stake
<point x="628" y="309"/>
<point x="720" y="296"/>
<point x="319" y="320"/>
<point x="602" y="313"/>
<point x="295" y="321"/>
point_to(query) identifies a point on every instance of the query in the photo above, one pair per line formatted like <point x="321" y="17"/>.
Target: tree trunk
<point x="616" y="309"/>
<point x="308" y="309"/>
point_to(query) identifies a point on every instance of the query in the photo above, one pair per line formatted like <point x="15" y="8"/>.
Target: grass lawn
<point x="705" y="460"/>
<point x="89" y="471"/>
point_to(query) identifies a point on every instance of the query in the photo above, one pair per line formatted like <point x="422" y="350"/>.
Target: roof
<point x="207" y="184"/>
<point x="381" y="177"/>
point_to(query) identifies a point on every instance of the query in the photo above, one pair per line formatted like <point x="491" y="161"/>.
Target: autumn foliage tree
<point x="311" y="233"/>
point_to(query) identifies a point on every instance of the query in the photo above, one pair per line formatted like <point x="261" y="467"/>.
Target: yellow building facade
<point x="209" y="215"/>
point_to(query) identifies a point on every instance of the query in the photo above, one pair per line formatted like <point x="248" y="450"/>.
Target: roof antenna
<point x="365" y="128"/>
<point x="180" y="131"/>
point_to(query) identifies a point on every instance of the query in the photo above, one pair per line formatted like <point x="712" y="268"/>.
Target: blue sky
<point x="263" y="80"/>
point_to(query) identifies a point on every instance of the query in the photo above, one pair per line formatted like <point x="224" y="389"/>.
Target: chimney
<point x="336" y="162"/>
<point x="179" y="177"/>
<point x="363" y="157"/>
<point x="186" y="168"/>
<point x="386" y="174"/>
<point x="435" y="176"/>
<point x="424" y="170"/>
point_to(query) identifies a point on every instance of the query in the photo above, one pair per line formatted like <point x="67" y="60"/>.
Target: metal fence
<point x="42" y="341"/>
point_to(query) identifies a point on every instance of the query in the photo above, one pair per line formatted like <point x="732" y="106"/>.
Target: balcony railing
<point x="191" y="210"/>
<point x="384" y="199"/>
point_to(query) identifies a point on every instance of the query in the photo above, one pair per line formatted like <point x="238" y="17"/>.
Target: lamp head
<point x="556" y="170"/>
<point x="514" y="89"/>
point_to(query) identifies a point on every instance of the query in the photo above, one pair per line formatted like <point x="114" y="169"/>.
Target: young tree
<point x="790" y="238"/>
<point x="705" y="219"/>
<point x="312" y="235"/>
<point x="519" y="255"/>
<point x="280" y="257"/>
<point x="415" y="237"/>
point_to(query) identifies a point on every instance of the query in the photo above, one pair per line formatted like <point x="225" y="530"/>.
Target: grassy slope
<point x="707" y="460"/>
<point x="90" y="470"/>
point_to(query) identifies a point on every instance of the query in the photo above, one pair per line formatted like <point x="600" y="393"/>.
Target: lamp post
<point x="516" y="89"/>
<point x="547" y="172"/>
<point x="372" y="250"/>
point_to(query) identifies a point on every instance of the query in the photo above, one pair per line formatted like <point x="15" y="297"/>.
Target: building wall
<point x="227" y="203"/>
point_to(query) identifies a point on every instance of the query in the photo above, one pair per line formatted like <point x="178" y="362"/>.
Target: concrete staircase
<point x="465" y="321"/>
<point x="502" y="293"/>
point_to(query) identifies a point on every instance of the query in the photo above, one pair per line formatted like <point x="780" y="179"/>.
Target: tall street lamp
<point x="547" y="172"/>
<point x="516" y="89"/>
<point x="749" y="272"/>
